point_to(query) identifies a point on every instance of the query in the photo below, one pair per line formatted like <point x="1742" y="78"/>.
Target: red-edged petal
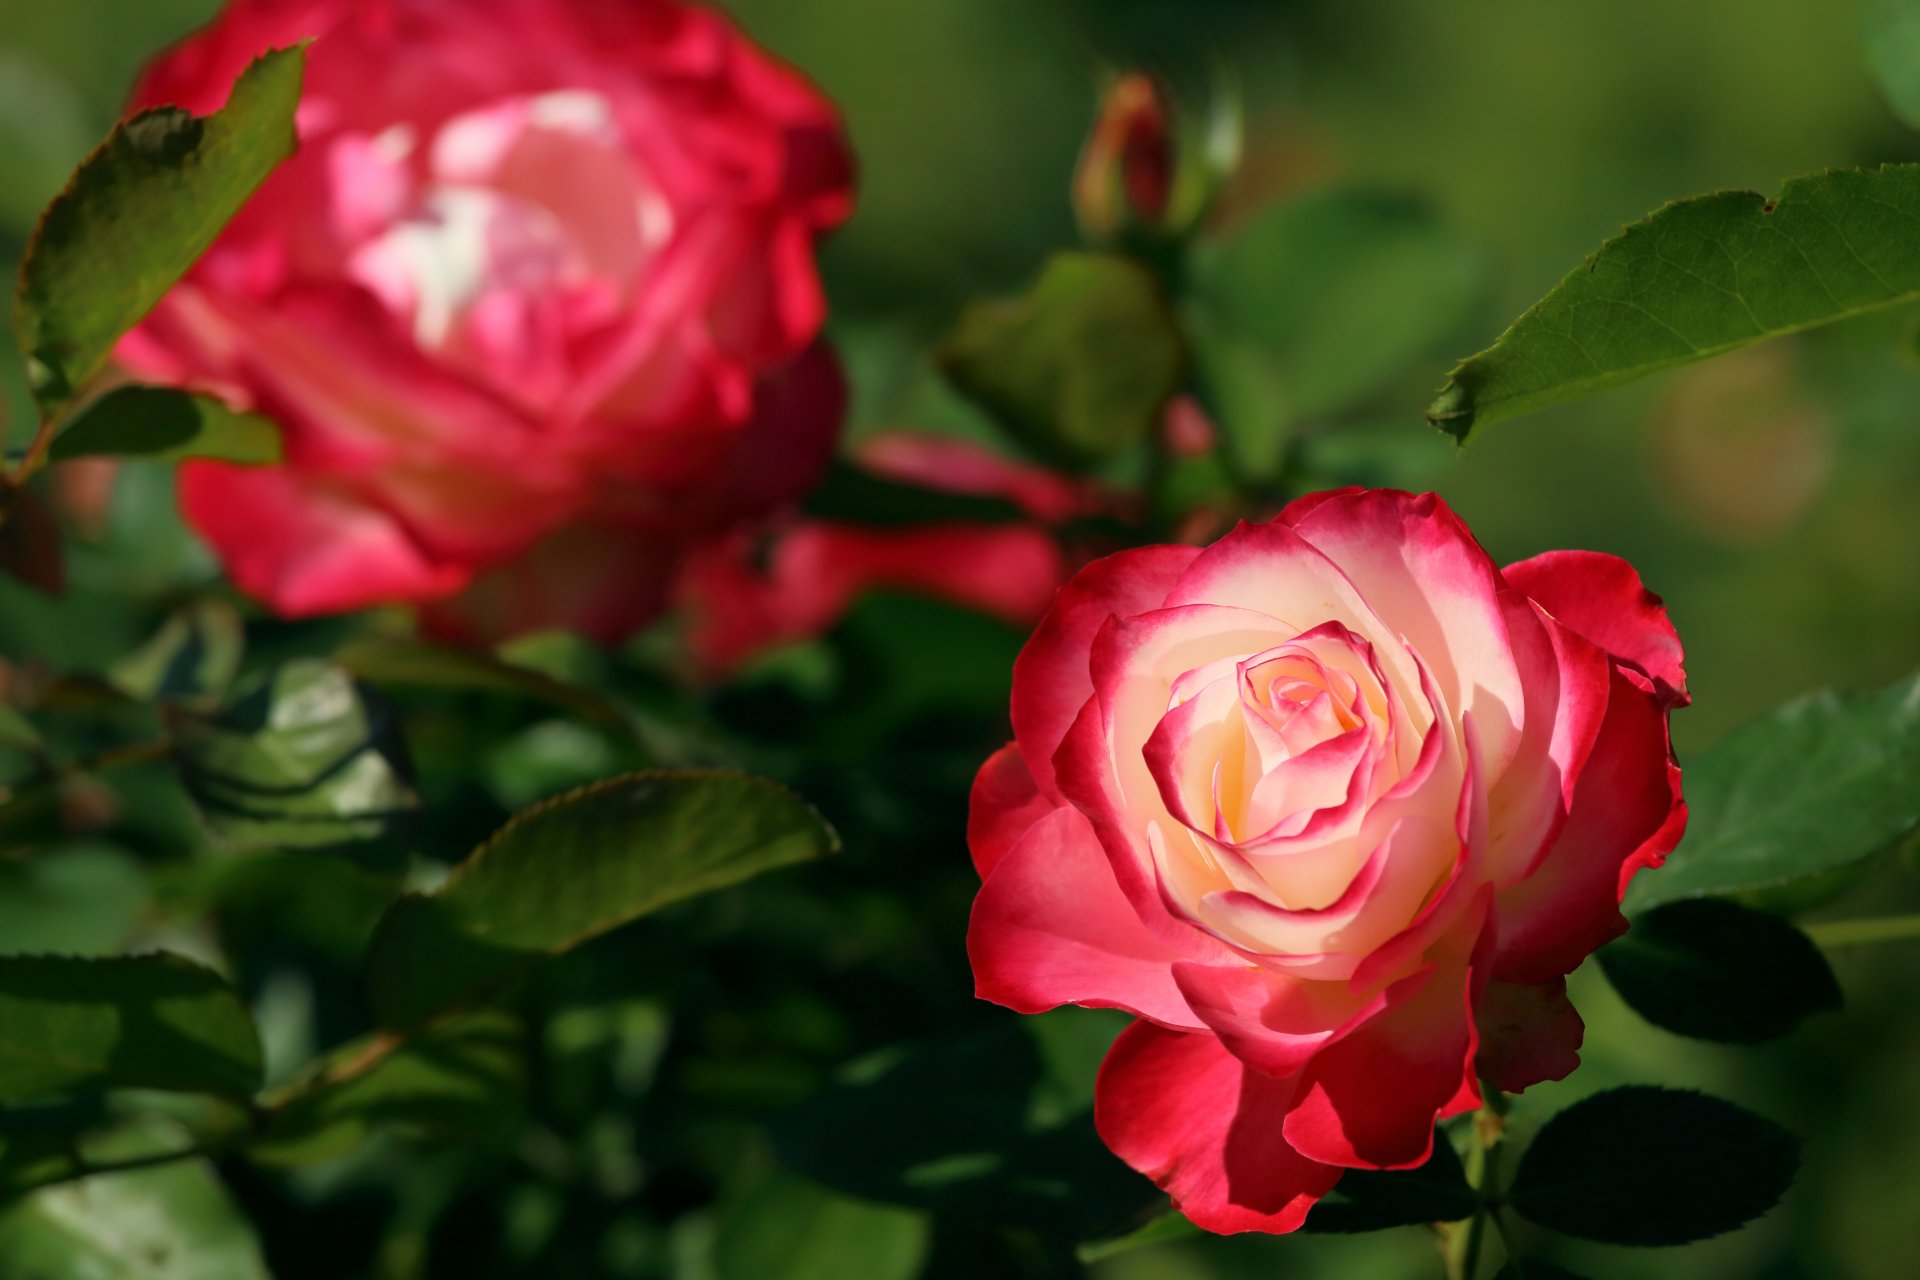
<point x="1527" y="1034"/>
<point x="1273" y="1022"/>
<point x="1051" y="927"/>
<point x="1191" y="1116"/>
<point x="1627" y="814"/>
<point x="1051" y="680"/>
<point x="1004" y="804"/>
<point x="1602" y="598"/>
<point x="1370" y="1100"/>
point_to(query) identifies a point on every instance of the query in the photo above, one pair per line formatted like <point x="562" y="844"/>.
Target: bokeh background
<point x="1771" y="497"/>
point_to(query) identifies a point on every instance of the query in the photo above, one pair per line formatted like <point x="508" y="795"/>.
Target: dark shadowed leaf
<point x="464" y="1076"/>
<point x="995" y="1124"/>
<point x="30" y="541"/>
<point x="135" y="1022"/>
<point x="1370" y="1199"/>
<point x="175" y="1222"/>
<point x="1816" y="786"/>
<point x="1696" y="278"/>
<point x="1651" y="1166"/>
<point x="788" y="1228"/>
<point x="1080" y="367"/>
<point x="194" y="656"/>
<point x="575" y="867"/>
<point x="166" y="425"/>
<point x="851" y="495"/>
<point x="1719" y="971"/>
<point x="137" y="213"/>
<point x="302" y="757"/>
<point x="1520" y="1269"/>
<point x="1315" y="305"/>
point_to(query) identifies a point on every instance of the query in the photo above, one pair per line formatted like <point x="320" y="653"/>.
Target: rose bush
<point x="1332" y="806"/>
<point x="542" y="273"/>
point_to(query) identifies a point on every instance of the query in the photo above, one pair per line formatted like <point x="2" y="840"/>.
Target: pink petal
<point x="1051" y="677"/>
<point x="1051" y="927"/>
<point x="1191" y="1116"/>
<point x="1602" y="598"/>
<point x="1627" y="814"/>
<point x="1004" y="804"/>
<point x="1271" y="1021"/>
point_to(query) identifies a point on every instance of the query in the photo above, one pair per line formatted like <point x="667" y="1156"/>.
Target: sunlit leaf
<point x="1816" y="786"/>
<point x="175" y="1222"/>
<point x="1696" y="278"/>
<point x="575" y="867"/>
<point x="136" y="215"/>
<point x="195" y="655"/>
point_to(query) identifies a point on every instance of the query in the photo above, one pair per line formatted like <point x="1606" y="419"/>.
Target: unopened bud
<point x="1127" y="168"/>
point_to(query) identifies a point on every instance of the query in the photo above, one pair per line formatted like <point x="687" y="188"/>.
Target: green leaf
<point x="1821" y="784"/>
<point x="1079" y="368"/>
<point x="78" y="899"/>
<point x="1696" y="278"/>
<point x="1317" y="304"/>
<point x="1650" y="1166"/>
<point x="1892" y="37"/>
<point x="301" y="758"/>
<point x="136" y="215"/>
<point x="166" y="425"/>
<point x="465" y="1076"/>
<point x="1518" y="1269"/>
<point x="995" y="1124"/>
<point x="1719" y="971"/>
<point x="790" y="1229"/>
<point x="137" y="1022"/>
<point x="1370" y="1200"/>
<point x="1164" y="1229"/>
<point x="412" y="663"/>
<point x="194" y="656"/>
<point x="575" y="867"/>
<point x="176" y="1222"/>
<point x="17" y="731"/>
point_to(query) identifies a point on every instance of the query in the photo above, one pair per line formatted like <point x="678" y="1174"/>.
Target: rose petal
<point x="1003" y="805"/>
<point x="1527" y="1034"/>
<point x="1051" y="927"/>
<point x="1602" y="598"/>
<point x="1189" y="1115"/>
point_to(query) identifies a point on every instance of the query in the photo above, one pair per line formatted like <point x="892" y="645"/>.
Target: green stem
<point x="1466" y="1242"/>
<point x="1849" y="933"/>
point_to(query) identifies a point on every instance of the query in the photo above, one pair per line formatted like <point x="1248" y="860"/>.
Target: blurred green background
<point x="1770" y="497"/>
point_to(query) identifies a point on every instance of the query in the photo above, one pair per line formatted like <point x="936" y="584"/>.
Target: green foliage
<point x="1077" y="369"/>
<point x="1819" y="785"/>
<point x="1316" y="304"/>
<point x="390" y="661"/>
<point x="790" y="1229"/>
<point x="138" y="1022"/>
<point x="1521" y="1269"/>
<point x="575" y="867"/>
<point x="1370" y="1200"/>
<point x="194" y="656"/>
<point x="1892" y="38"/>
<point x="1694" y="279"/>
<point x="138" y="212"/>
<point x="167" y="425"/>
<point x="853" y="496"/>
<point x="170" y="1223"/>
<point x="1650" y="1166"/>
<point x="300" y="757"/>
<point x="1720" y="971"/>
<point x="463" y="1077"/>
<point x="995" y="1124"/>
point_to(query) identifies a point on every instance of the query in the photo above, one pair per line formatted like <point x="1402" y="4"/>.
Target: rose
<point x="796" y="578"/>
<point x="1332" y="805"/>
<point x="539" y="266"/>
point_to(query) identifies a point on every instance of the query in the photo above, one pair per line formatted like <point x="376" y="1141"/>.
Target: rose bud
<point x="538" y="266"/>
<point x="1332" y="806"/>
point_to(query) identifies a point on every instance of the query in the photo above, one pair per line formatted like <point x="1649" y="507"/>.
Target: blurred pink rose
<point x="542" y="269"/>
